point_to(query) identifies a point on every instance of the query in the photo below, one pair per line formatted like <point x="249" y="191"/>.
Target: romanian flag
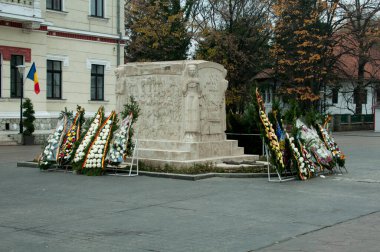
<point x="34" y="77"/>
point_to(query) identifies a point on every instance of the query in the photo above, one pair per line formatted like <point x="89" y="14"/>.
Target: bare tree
<point x="236" y="34"/>
<point x="361" y="33"/>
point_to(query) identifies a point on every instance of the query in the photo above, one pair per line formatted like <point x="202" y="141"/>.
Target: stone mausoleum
<point x="183" y="117"/>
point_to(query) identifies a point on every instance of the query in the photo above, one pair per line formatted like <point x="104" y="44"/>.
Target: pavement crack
<point x="121" y="232"/>
<point x="33" y="230"/>
<point x="160" y="204"/>
<point x="368" y="181"/>
<point x="179" y="208"/>
<point x="314" y="230"/>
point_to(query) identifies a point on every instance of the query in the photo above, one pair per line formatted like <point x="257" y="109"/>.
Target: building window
<point x="54" y="79"/>
<point x="97" y="82"/>
<point x="335" y="93"/>
<point x="54" y="5"/>
<point x="16" y="78"/>
<point x="266" y="94"/>
<point x="97" y="8"/>
<point x="364" y="96"/>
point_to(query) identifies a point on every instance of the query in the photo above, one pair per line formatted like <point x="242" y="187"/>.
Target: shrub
<point x="28" y="115"/>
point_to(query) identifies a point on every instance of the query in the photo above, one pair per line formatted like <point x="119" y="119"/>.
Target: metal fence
<point x="348" y="118"/>
<point x="344" y="122"/>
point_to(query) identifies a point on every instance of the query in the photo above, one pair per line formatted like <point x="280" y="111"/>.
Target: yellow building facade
<point x="76" y="46"/>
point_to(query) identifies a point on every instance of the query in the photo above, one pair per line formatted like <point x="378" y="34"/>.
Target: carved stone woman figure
<point x="191" y="91"/>
<point x="120" y="93"/>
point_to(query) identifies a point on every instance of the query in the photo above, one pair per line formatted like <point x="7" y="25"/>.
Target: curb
<point x="190" y="177"/>
<point x="195" y="177"/>
<point x="28" y="164"/>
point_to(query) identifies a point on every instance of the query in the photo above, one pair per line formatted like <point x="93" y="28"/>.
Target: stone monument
<point x="183" y="117"/>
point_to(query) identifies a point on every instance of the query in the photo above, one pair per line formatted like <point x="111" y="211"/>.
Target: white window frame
<point x="56" y="57"/>
<point x="103" y="88"/>
<point x="62" y="10"/>
<point x="105" y="63"/>
<point x="65" y="63"/>
<point x="337" y="96"/>
<point x="104" y="9"/>
<point x="52" y="86"/>
<point x="10" y="77"/>
<point x="107" y="67"/>
<point x="267" y="95"/>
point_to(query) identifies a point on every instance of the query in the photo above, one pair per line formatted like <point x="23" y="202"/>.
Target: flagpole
<point x="21" y="70"/>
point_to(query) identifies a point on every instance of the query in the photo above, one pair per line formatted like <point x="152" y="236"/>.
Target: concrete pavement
<point x="53" y="211"/>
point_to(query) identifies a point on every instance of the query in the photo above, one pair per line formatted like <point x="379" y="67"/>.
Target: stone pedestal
<point x="183" y="115"/>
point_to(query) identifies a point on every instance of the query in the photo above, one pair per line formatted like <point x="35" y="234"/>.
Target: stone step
<point x="189" y="163"/>
<point x="7" y="143"/>
<point x="217" y="149"/>
<point x="238" y="151"/>
<point x="181" y="150"/>
<point x="182" y="146"/>
<point x="6" y="139"/>
<point x="144" y="153"/>
<point x="165" y="145"/>
<point x="241" y="158"/>
<point x="231" y="167"/>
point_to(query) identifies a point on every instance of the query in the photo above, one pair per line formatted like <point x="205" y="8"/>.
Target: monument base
<point x="184" y="154"/>
<point x="182" y="118"/>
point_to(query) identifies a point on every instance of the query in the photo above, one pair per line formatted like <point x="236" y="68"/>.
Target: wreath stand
<point x="56" y="167"/>
<point x="59" y="168"/>
<point x="269" y="165"/>
<point x="340" y="168"/>
<point x="123" y="167"/>
<point x="334" y="169"/>
<point x="67" y="168"/>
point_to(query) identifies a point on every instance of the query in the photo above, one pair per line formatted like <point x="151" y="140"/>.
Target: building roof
<point x="345" y="68"/>
<point x="265" y="74"/>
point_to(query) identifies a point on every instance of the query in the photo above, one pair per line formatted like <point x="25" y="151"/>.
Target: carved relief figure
<point x="213" y="115"/>
<point x="224" y="85"/>
<point x="191" y="91"/>
<point x="120" y="91"/>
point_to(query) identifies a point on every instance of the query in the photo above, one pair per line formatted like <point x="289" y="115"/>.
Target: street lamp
<point x="322" y="94"/>
<point x="322" y="101"/>
<point x="21" y="70"/>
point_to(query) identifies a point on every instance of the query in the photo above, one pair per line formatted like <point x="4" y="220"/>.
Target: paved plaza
<point x="56" y="211"/>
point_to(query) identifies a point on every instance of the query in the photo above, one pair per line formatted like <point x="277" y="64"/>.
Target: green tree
<point x="157" y="30"/>
<point x="302" y="46"/>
